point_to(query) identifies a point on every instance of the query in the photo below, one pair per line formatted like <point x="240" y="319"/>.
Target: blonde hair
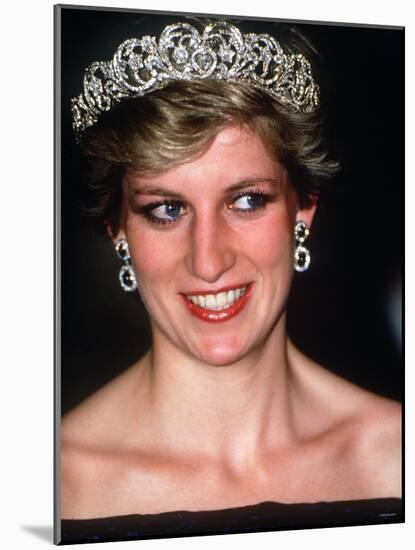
<point x="172" y="125"/>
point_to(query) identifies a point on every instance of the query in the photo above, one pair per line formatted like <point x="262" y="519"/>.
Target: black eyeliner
<point x="146" y="212"/>
<point x="266" y="196"/>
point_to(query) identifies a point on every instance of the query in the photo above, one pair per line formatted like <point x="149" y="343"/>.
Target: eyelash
<point x="147" y="210"/>
<point x="265" y="199"/>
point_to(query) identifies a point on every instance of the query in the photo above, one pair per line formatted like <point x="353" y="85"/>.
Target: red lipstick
<point x="218" y="315"/>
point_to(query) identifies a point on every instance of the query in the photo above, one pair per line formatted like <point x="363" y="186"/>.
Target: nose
<point x="211" y="249"/>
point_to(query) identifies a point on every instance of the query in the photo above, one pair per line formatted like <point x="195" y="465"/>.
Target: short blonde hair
<point x="170" y="126"/>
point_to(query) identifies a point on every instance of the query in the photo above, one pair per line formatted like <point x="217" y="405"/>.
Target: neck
<point x="229" y="412"/>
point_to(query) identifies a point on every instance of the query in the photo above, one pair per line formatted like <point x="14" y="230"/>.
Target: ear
<point x="306" y="214"/>
<point x="112" y="234"/>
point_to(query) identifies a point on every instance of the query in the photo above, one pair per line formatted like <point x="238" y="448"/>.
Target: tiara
<point x="221" y="52"/>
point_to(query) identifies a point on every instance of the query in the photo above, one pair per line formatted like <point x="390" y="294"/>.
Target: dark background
<point x="339" y="311"/>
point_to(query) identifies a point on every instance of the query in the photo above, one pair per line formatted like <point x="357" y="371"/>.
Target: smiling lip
<point x="216" y="316"/>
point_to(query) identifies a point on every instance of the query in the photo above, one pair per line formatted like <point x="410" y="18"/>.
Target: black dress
<point x="265" y="516"/>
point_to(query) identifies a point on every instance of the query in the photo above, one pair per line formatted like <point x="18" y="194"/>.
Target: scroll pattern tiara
<point x="221" y="52"/>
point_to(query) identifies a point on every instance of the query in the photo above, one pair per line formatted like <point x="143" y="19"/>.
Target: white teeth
<point x="210" y="301"/>
<point x="219" y="301"/>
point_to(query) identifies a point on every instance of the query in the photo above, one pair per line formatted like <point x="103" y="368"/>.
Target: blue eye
<point x="167" y="211"/>
<point x="163" y="213"/>
<point x="249" y="202"/>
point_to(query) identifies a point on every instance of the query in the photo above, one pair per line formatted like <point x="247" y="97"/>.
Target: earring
<point x="302" y="256"/>
<point x="126" y="276"/>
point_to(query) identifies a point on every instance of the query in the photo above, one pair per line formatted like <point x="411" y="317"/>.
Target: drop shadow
<point x="44" y="532"/>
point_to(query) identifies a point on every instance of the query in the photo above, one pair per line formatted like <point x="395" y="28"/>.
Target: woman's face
<point x="211" y="243"/>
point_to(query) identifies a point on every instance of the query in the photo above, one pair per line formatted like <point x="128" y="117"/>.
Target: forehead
<point x="235" y="154"/>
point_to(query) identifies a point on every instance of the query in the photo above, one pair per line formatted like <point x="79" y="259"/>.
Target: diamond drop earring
<point x="126" y="276"/>
<point x="302" y="256"/>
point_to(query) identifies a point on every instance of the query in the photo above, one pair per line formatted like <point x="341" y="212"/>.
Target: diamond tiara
<point x="221" y="52"/>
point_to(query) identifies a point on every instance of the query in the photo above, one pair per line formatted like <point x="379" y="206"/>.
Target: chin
<point x="220" y="354"/>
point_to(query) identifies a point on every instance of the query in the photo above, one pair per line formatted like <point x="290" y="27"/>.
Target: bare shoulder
<point x="371" y="428"/>
<point x="80" y="477"/>
<point x="83" y="465"/>
<point x="369" y="437"/>
<point x="91" y="446"/>
<point x="103" y="418"/>
<point x="362" y="428"/>
<point x="379" y="444"/>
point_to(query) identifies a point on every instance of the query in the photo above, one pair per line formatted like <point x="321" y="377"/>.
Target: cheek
<point x="269" y="240"/>
<point x="153" y="257"/>
<point x="151" y="254"/>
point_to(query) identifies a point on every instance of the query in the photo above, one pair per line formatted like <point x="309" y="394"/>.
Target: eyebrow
<point x="254" y="181"/>
<point x="163" y="192"/>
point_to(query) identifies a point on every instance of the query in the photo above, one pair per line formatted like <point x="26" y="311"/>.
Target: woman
<point x="208" y="155"/>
